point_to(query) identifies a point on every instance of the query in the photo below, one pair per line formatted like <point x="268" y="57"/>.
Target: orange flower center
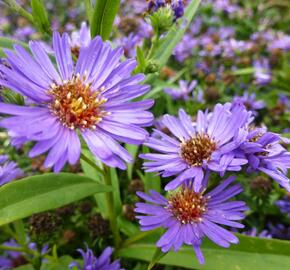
<point x="197" y="149"/>
<point x="187" y="206"/>
<point x="76" y="104"/>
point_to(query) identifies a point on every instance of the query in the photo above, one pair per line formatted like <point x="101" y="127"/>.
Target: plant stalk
<point x="111" y="209"/>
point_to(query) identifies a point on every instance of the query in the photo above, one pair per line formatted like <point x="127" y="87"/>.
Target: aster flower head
<point x="79" y="39"/>
<point x="91" y="97"/>
<point x="8" y="170"/>
<point x="284" y="205"/>
<point x="190" y="216"/>
<point x="194" y="148"/>
<point x="254" y="233"/>
<point x="279" y="231"/>
<point x="265" y="154"/>
<point x="262" y="72"/>
<point x="183" y="91"/>
<point x="250" y="102"/>
<point x="103" y="262"/>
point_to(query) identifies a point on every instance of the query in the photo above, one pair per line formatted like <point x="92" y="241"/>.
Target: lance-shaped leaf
<point x="40" y="16"/>
<point x="35" y="194"/>
<point x="103" y="17"/>
<point x="250" y="253"/>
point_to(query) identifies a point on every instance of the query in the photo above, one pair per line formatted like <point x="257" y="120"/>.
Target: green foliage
<point x="250" y="253"/>
<point x="40" y="16"/>
<point x="7" y="43"/>
<point x="61" y="263"/>
<point x="35" y="194"/>
<point x="175" y="34"/>
<point x="103" y="17"/>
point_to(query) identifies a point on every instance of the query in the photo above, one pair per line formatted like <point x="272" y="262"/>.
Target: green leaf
<point x="8" y="44"/>
<point x="40" y="16"/>
<point x="157" y="256"/>
<point x="250" y="253"/>
<point x="175" y="34"/>
<point x="116" y="191"/>
<point x="126" y="227"/>
<point x="141" y="61"/>
<point x="95" y="175"/>
<point x="103" y="17"/>
<point x="133" y="150"/>
<point x="244" y="71"/>
<point x="35" y="194"/>
<point x="61" y="263"/>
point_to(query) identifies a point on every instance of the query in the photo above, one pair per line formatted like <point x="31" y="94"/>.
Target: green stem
<point x="18" y="249"/>
<point x="137" y="238"/>
<point x="18" y="9"/>
<point x="92" y="164"/>
<point x="154" y="46"/>
<point x="111" y="209"/>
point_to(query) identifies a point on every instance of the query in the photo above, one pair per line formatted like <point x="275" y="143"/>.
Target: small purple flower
<point x="81" y="38"/>
<point x="265" y="153"/>
<point x="208" y="144"/>
<point x="7" y="261"/>
<point x="279" y="231"/>
<point x="281" y="43"/>
<point x="284" y="101"/>
<point x="92" y="98"/>
<point x="184" y="90"/>
<point x="130" y="44"/>
<point x="284" y="205"/>
<point x="8" y="170"/>
<point x="101" y="263"/>
<point x="177" y="6"/>
<point x="250" y="102"/>
<point x="190" y="216"/>
<point x="254" y="233"/>
<point x="184" y="49"/>
<point x="262" y="72"/>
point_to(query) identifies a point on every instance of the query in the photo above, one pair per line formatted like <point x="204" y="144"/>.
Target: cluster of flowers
<point x="93" y="96"/>
<point x="221" y="141"/>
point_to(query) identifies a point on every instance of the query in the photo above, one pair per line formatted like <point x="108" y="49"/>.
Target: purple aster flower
<point x="225" y="5"/>
<point x="184" y="90"/>
<point x="284" y="101"/>
<point x="12" y="259"/>
<point x="92" y="98"/>
<point x="81" y="38"/>
<point x="189" y="216"/>
<point x="101" y="263"/>
<point x="281" y="43"/>
<point x="177" y="6"/>
<point x="284" y="205"/>
<point x="262" y="72"/>
<point x="199" y="96"/>
<point x="130" y="44"/>
<point x="266" y="154"/>
<point x="254" y="233"/>
<point x="8" y="170"/>
<point x="250" y="102"/>
<point x="208" y="144"/>
<point x="24" y="33"/>
<point x="280" y="231"/>
<point x="184" y="49"/>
